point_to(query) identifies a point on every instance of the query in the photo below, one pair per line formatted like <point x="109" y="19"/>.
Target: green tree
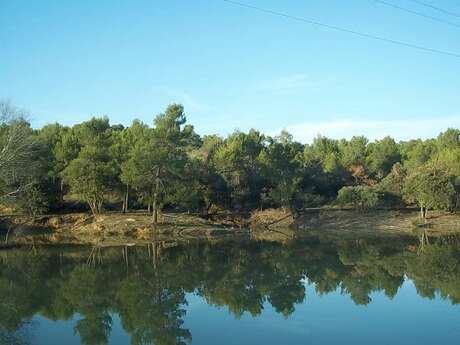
<point x="381" y="156"/>
<point x="416" y="153"/>
<point x="391" y="186"/>
<point x="449" y="140"/>
<point x="124" y="142"/>
<point x="430" y="188"/>
<point x="238" y="161"/>
<point x="353" y="152"/>
<point x="324" y="173"/>
<point x="209" y="187"/>
<point x="159" y="161"/>
<point x="282" y="170"/>
<point x="360" y="197"/>
<point x="92" y="173"/>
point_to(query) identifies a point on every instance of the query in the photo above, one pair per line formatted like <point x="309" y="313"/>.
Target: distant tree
<point x="416" y="153"/>
<point x="124" y="142"/>
<point x="42" y="175"/>
<point x="92" y="173"/>
<point x="67" y="148"/>
<point x="449" y="140"/>
<point x="50" y="137"/>
<point x="209" y="187"/>
<point x="430" y="188"/>
<point x="282" y="170"/>
<point x="237" y="160"/>
<point x="382" y="155"/>
<point x="353" y="152"/>
<point x="391" y="186"/>
<point x="360" y="197"/>
<point x="21" y="163"/>
<point x="323" y="173"/>
<point x="327" y="152"/>
<point x="89" y="176"/>
<point x="159" y="160"/>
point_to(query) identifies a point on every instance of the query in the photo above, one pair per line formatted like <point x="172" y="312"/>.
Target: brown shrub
<point x="271" y="216"/>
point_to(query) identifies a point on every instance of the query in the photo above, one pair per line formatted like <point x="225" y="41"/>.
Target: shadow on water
<point x="147" y="286"/>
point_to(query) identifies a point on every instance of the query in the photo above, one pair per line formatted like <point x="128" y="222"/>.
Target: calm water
<point x="306" y="292"/>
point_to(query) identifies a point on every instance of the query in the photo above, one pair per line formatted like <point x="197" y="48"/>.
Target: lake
<point x="304" y="291"/>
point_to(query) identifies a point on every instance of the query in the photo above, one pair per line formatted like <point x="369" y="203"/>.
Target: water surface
<point x="306" y="291"/>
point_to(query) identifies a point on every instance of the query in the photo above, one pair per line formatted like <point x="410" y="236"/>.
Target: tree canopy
<point x="166" y="164"/>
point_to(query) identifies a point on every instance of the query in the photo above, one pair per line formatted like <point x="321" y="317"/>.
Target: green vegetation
<point x="169" y="166"/>
<point x="430" y="188"/>
<point x="361" y="197"/>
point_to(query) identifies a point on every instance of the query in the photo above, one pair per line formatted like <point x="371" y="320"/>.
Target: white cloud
<point x="403" y="129"/>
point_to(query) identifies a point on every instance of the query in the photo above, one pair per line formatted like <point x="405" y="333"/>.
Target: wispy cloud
<point x="403" y="129"/>
<point x="190" y="102"/>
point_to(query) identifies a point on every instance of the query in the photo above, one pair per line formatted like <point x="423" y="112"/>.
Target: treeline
<point x="168" y="165"/>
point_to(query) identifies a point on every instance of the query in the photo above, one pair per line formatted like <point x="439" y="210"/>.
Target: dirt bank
<point x="108" y="229"/>
<point x="349" y="222"/>
<point x="274" y="225"/>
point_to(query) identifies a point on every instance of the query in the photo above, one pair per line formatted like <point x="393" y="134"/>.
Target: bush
<point x="431" y="188"/>
<point x="360" y="197"/>
<point x="390" y="189"/>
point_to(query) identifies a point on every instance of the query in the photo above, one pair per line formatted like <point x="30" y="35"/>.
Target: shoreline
<point x="114" y="228"/>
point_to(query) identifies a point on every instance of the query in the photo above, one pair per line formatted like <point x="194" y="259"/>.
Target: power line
<point x="436" y="8"/>
<point x="417" y="13"/>
<point x="337" y="28"/>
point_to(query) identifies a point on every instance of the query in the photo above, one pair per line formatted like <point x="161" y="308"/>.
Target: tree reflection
<point x="151" y="312"/>
<point x="18" y="337"/>
<point x="150" y="293"/>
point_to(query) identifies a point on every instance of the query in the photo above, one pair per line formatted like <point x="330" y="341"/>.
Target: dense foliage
<point x="168" y="165"/>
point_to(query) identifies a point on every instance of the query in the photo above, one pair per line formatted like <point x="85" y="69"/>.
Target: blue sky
<point x="233" y="68"/>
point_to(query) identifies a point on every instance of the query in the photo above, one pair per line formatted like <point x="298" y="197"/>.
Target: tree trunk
<point x="95" y="204"/>
<point x="92" y="206"/>
<point x="423" y="212"/>
<point x="8" y="234"/>
<point x="155" y="197"/>
<point x="155" y="212"/>
<point x="205" y="210"/>
<point x="125" y="199"/>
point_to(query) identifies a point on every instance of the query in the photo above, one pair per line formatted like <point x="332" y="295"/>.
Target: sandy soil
<point x="274" y="225"/>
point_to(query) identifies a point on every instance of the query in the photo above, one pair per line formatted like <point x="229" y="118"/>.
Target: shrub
<point x="360" y="197"/>
<point x="430" y="188"/>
